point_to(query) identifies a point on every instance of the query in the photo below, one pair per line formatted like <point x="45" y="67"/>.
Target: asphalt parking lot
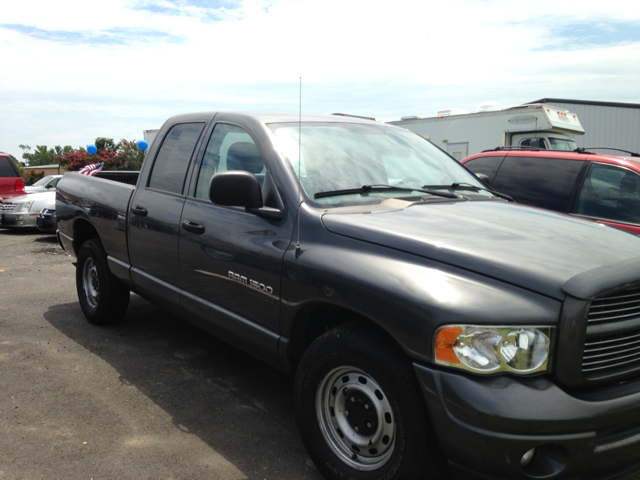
<point x="150" y="398"/>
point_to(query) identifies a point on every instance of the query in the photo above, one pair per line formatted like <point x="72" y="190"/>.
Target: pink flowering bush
<point x="31" y="176"/>
<point x="126" y="156"/>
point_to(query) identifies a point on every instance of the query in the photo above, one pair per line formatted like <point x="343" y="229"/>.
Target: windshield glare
<point x="41" y="182"/>
<point x="342" y="156"/>
<point x="562" y="144"/>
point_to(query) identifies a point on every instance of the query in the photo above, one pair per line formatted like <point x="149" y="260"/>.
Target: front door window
<point x="610" y="193"/>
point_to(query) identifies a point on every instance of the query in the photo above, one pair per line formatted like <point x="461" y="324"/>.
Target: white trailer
<point x="607" y="124"/>
<point x="462" y="134"/>
<point x="150" y="135"/>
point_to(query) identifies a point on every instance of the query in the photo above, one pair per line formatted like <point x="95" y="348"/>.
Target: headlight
<point x="26" y="206"/>
<point x="480" y="349"/>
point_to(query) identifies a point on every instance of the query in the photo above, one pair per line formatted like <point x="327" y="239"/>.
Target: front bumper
<point x="46" y="220"/>
<point x="19" y="220"/>
<point x="486" y="425"/>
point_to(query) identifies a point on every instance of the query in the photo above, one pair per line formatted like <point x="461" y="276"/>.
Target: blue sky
<point x="73" y="70"/>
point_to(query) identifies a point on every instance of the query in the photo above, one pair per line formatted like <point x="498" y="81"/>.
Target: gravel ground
<point x="150" y="398"/>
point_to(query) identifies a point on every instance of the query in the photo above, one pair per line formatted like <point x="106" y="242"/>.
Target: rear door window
<point x="610" y="192"/>
<point x="541" y="182"/>
<point x="172" y="161"/>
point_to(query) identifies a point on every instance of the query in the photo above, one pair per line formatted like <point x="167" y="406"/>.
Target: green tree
<point x="25" y="152"/>
<point x="132" y="155"/>
<point x="58" y="150"/>
<point x="42" y="155"/>
<point x="104" y="143"/>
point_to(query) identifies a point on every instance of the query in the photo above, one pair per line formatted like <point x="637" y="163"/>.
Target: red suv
<point x="597" y="187"/>
<point x="11" y="183"/>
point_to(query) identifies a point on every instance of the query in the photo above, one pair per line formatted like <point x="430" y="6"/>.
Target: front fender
<point x="407" y="296"/>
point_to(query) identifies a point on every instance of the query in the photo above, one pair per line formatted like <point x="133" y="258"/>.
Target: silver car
<point x="22" y="212"/>
<point x="45" y="184"/>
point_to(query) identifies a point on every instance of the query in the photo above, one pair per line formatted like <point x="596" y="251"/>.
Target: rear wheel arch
<point x="83" y="230"/>
<point x="103" y="298"/>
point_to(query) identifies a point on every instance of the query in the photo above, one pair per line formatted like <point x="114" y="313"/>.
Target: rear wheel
<point x="359" y="410"/>
<point x="103" y="298"/>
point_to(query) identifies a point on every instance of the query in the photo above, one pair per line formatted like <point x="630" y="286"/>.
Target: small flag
<point x="92" y="169"/>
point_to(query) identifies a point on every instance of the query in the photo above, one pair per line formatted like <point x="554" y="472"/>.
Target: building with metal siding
<point x="606" y="124"/>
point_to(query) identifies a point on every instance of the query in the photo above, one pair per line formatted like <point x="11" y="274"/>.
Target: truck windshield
<point x="340" y="157"/>
<point x="562" y="144"/>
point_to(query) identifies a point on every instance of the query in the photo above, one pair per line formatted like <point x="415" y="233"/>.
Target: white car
<point x="45" y="184"/>
<point x="22" y="212"/>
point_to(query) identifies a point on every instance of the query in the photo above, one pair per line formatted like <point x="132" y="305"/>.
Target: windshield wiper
<point x="468" y="186"/>
<point x="381" y="187"/>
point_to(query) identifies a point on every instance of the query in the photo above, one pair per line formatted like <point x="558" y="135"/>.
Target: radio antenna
<point x="299" y="163"/>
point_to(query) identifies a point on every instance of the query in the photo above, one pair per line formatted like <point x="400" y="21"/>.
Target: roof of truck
<point x="277" y="117"/>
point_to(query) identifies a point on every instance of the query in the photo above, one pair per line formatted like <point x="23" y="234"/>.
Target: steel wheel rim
<point x="90" y="284"/>
<point x="356" y="418"/>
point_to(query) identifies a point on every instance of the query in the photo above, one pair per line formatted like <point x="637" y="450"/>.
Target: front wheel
<point x="103" y="298"/>
<point x="359" y="410"/>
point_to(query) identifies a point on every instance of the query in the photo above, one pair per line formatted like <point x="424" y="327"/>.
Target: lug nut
<point x="346" y="413"/>
<point x="353" y="399"/>
<point x="368" y="424"/>
<point x="366" y="406"/>
<point x="356" y="428"/>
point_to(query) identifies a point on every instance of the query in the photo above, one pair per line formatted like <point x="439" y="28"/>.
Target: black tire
<point x="360" y="412"/>
<point x="103" y="298"/>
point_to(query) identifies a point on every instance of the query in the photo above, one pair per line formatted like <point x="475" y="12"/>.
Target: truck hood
<point x="535" y="249"/>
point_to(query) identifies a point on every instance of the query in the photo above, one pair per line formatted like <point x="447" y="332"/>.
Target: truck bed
<point x="104" y="200"/>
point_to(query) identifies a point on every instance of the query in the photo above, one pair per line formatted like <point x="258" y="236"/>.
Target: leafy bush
<point x="124" y="156"/>
<point x="79" y="157"/>
<point x="133" y="156"/>
<point x="31" y="176"/>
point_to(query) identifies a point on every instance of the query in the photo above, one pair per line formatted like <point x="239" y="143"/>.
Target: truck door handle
<point x="140" y="211"/>
<point x="193" y="227"/>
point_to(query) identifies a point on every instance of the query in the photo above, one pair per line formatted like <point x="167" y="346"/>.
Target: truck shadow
<point x="240" y="407"/>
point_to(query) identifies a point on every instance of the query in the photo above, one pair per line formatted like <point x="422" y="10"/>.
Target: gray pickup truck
<point x="432" y="327"/>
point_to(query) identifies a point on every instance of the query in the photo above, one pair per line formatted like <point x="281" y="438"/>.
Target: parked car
<point x="22" y="212"/>
<point x="46" y="220"/>
<point x="603" y="188"/>
<point x="45" y="184"/>
<point x="11" y="183"/>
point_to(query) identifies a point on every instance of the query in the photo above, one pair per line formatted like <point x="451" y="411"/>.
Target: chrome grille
<point x="8" y="207"/>
<point x="622" y="305"/>
<point x="611" y="352"/>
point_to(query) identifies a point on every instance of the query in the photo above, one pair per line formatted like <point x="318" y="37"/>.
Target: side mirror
<point x="484" y="179"/>
<point x="235" y="188"/>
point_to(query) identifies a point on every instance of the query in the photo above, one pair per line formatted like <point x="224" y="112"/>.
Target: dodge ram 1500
<point x="431" y="325"/>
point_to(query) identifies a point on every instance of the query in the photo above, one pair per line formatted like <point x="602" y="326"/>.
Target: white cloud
<point x="76" y="66"/>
